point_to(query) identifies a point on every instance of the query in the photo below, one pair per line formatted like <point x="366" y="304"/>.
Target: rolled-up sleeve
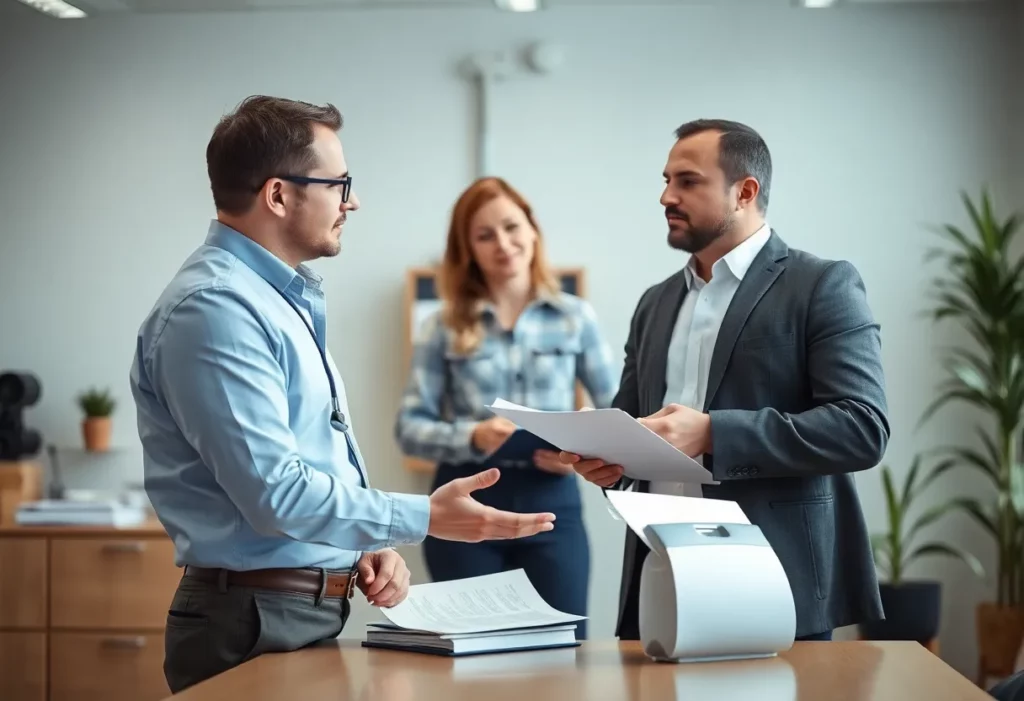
<point x="215" y="367"/>
<point x="421" y="429"/>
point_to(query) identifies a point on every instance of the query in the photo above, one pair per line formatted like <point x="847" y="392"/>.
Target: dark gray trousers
<point x="211" y="628"/>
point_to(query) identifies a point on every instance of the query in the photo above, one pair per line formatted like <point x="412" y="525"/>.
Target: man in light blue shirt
<point x="251" y="459"/>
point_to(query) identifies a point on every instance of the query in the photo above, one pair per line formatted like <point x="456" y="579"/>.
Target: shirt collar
<point x="542" y="297"/>
<point x="264" y="263"/>
<point x="739" y="259"/>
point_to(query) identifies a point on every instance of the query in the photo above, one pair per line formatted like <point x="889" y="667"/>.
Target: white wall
<point x="104" y="189"/>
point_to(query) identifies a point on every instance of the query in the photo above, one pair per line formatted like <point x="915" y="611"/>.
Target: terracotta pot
<point x="96" y="432"/>
<point x="1000" y="632"/>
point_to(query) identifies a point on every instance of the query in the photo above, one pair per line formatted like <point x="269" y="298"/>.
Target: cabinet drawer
<point x="23" y="666"/>
<point x="22" y="585"/>
<point x="111" y="583"/>
<point x="107" y="667"/>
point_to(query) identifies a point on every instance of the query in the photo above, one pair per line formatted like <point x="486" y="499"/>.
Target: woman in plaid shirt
<point x="505" y="330"/>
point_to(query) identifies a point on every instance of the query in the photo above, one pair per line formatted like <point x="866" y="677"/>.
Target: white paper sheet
<point x="611" y="435"/>
<point x="640" y="510"/>
<point x="490" y="602"/>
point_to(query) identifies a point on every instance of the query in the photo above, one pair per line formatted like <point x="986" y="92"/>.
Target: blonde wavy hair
<point x="461" y="284"/>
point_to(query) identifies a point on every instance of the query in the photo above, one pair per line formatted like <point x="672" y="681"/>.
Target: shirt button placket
<point x="515" y="369"/>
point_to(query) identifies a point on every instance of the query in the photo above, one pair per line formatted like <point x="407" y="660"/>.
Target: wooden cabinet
<point x="82" y="612"/>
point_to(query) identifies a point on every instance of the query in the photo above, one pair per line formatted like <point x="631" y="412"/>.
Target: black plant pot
<point x="912" y="612"/>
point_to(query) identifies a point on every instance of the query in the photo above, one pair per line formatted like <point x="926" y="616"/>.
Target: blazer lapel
<point x="665" y="313"/>
<point x="763" y="272"/>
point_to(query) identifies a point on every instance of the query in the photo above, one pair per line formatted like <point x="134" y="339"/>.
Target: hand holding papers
<point x="611" y="435"/>
<point x="492" y="613"/>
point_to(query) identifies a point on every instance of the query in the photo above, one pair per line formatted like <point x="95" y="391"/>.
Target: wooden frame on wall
<point x="421" y="300"/>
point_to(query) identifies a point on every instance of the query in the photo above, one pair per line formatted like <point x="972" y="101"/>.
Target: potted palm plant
<point x="98" y="406"/>
<point x="983" y="290"/>
<point x="912" y="607"/>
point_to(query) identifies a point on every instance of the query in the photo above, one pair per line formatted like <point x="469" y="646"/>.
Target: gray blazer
<point x="796" y="396"/>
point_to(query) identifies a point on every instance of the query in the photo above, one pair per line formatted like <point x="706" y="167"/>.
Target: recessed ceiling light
<point x="816" y="3"/>
<point x="55" y="8"/>
<point x="517" y="5"/>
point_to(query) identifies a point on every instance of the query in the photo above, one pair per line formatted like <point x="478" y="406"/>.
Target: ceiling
<point x="97" y="7"/>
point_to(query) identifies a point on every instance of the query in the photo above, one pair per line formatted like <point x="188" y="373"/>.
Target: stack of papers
<point x="493" y="613"/>
<point x="611" y="435"/>
<point x="71" y="512"/>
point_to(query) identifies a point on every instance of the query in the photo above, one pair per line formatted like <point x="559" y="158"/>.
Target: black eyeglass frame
<point x="346" y="182"/>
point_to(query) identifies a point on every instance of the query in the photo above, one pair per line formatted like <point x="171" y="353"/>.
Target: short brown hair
<point x="264" y="137"/>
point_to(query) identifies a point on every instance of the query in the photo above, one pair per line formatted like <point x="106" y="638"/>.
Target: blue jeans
<point x="556" y="562"/>
<point x="827" y="635"/>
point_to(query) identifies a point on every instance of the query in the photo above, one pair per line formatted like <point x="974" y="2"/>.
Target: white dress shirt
<point x="696" y="330"/>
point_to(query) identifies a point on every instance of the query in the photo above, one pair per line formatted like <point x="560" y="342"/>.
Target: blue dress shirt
<point x="241" y="463"/>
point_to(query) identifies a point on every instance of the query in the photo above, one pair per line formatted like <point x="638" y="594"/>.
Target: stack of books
<point x="492" y="613"/>
<point x="72" y="512"/>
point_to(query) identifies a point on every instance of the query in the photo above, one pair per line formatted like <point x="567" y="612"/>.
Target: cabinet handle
<point x="133" y="642"/>
<point x="129" y="547"/>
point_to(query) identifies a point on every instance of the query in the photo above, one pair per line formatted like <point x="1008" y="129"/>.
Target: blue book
<point x="517" y="451"/>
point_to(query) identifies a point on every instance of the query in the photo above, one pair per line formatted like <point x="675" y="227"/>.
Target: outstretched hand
<point x="456" y="515"/>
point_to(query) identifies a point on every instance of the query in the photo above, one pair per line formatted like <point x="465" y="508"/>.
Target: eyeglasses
<point x="345" y="183"/>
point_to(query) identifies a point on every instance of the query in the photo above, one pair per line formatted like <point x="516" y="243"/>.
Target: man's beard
<point x="695" y="239"/>
<point x="314" y="244"/>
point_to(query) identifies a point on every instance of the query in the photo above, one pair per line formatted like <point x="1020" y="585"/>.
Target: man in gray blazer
<point x="764" y="362"/>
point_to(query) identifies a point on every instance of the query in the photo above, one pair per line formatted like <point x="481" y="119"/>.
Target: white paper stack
<point x="611" y="435"/>
<point x="70" y="512"/>
<point x="492" y="613"/>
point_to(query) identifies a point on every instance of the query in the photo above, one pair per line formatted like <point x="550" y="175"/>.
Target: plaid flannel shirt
<point x="555" y="341"/>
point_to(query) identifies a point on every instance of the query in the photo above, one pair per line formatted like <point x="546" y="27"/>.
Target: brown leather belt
<point x="299" y="581"/>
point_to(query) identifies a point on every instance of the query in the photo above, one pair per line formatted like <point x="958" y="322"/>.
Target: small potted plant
<point x="98" y="406"/>
<point x="912" y="606"/>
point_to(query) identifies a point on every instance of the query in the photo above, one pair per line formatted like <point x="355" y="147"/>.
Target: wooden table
<point x="811" y="671"/>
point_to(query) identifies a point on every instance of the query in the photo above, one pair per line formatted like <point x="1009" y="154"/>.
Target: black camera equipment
<point x="18" y="391"/>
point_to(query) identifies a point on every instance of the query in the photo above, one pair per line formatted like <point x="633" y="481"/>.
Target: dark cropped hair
<point x="264" y="137"/>
<point x="742" y="153"/>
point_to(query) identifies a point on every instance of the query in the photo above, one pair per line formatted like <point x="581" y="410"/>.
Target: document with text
<point x="494" y="602"/>
<point x="640" y="510"/>
<point x="611" y="435"/>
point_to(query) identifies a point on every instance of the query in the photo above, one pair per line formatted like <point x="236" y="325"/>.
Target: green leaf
<point x="993" y="451"/>
<point x="891" y="501"/>
<point x="880" y="549"/>
<point x="947" y="396"/>
<point x="97" y="403"/>
<point x="931" y="516"/>
<point x="976" y="511"/>
<point x="937" y="471"/>
<point x="1017" y="490"/>
<point x="908" y="483"/>
<point x="961" y="457"/>
<point x="950" y="551"/>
